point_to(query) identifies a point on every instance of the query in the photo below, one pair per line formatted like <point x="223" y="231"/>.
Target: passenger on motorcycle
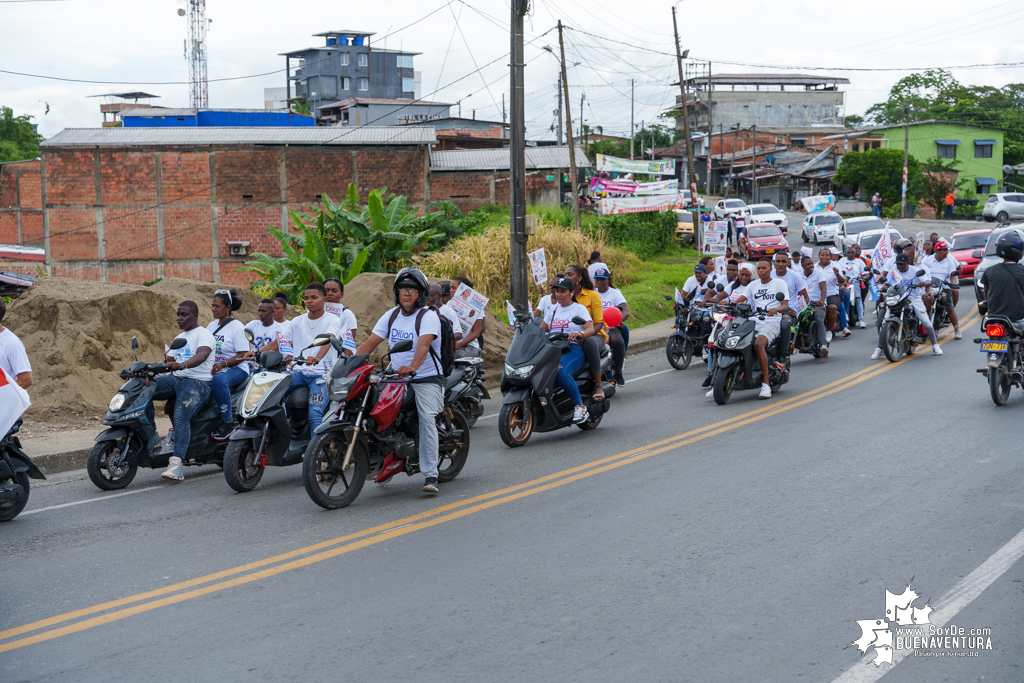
<point x="188" y="385"/>
<point x="795" y="287"/>
<point x="559" y="318"/>
<point x="762" y="297"/>
<point x="906" y="275"/>
<point x="817" y="298"/>
<point x="618" y="336"/>
<point x="730" y="292"/>
<point x="853" y="270"/>
<point x="1003" y="283"/>
<point x="13" y="358"/>
<point x="230" y="367"/>
<point x="588" y="297"/>
<point x="468" y="345"/>
<point x="335" y="290"/>
<point x="434" y="298"/>
<point x="265" y="329"/>
<point x="546" y="301"/>
<point x="697" y="280"/>
<point x="410" y="291"/>
<point x="828" y="272"/>
<point x="943" y="266"/>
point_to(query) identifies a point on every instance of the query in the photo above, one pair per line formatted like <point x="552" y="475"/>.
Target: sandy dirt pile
<point x="78" y="335"/>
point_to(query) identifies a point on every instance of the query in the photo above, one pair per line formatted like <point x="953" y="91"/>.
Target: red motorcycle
<point x="371" y="429"/>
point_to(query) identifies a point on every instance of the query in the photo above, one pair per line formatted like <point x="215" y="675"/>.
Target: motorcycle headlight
<point x="117" y="402"/>
<point x="731" y="342"/>
<point x="892" y="300"/>
<point x="521" y="372"/>
<point x="257" y="389"/>
<point x="337" y="389"/>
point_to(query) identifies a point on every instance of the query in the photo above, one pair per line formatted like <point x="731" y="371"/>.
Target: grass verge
<point x="660" y="275"/>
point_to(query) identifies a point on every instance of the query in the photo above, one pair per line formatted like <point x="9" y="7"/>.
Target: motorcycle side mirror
<point x="578" y="320"/>
<point x="249" y="335"/>
<point x="178" y="343"/>
<point x="323" y="340"/>
<point x="876" y="271"/>
<point x="402" y="346"/>
<point x="780" y="297"/>
<point x="124" y="375"/>
<point x="668" y="298"/>
<point x="976" y="253"/>
<point x="135" y="343"/>
<point x="720" y="287"/>
<point x="921" y="272"/>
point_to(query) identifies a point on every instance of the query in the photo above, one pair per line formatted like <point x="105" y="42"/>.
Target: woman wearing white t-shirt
<point x="559" y="318"/>
<point x="546" y="301"/>
<point x="229" y="367"/>
<point x="618" y="337"/>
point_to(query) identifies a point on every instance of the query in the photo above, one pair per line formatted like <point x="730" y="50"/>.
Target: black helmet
<point x="410" y="277"/>
<point x="902" y="244"/>
<point x="1010" y="245"/>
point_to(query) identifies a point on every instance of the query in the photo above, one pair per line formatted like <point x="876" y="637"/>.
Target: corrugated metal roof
<point x="947" y="142"/>
<point x="150" y="112"/>
<point x="985" y="142"/>
<point x="281" y="135"/>
<point x="985" y="181"/>
<point x="498" y="159"/>
<point x="770" y="79"/>
<point x="352" y="101"/>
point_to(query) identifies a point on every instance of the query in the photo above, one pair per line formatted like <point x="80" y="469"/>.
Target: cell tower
<point x="195" y="52"/>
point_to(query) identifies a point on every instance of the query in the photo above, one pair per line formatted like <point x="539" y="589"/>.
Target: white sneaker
<point x="579" y="415"/>
<point x="956" y="332"/>
<point x="174" y="472"/>
<point x="828" y="337"/>
<point x="710" y="394"/>
<point x="877" y="354"/>
<point x="766" y="391"/>
<point x="936" y="349"/>
<point x="846" y="332"/>
<point x="860" y="324"/>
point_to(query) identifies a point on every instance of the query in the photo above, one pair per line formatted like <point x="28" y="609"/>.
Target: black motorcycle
<point x="690" y="331"/>
<point x="805" y="332"/>
<point x="16" y="469"/>
<point x="464" y="388"/>
<point x="901" y="329"/>
<point x="1004" y="364"/>
<point x="735" y="365"/>
<point x="132" y="440"/>
<point x="943" y="302"/>
<point x="534" y="401"/>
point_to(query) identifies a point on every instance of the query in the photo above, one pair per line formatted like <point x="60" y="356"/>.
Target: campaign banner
<point x="627" y="188"/>
<point x="13" y="402"/>
<point x="883" y="257"/>
<point x="539" y="266"/>
<point x="615" y="205"/>
<point x="919" y="247"/>
<point x="468" y="305"/>
<point x="715" y="239"/>
<point x="821" y="202"/>
<point x="612" y="164"/>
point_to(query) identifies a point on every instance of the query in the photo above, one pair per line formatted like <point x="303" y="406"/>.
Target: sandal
<point x="598" y="396"/>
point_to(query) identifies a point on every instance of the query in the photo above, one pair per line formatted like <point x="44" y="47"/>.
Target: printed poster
<point x="539" y="265"/>
<point x="715" y="238"/>
<point x="919" y="247"/>
<point x="633" y="189"/>
<point x="616" y="205"/>
<point x="612" y="164"/>
<point x="468" y="305"/>
<point x="821" y="202"/>
<point x="719" y="266"/>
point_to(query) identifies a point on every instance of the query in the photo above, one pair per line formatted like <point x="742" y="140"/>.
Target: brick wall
<point x="472" y="189"/>
<point x="137" y="214"/>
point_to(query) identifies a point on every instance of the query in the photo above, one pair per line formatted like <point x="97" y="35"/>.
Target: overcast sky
<point x="140" y="42"/>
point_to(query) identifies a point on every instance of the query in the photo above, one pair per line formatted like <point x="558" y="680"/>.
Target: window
<point x="364" y="83"/>
<point x="404" y="61"/>
<point x="983" y="149"/>
<point x="799" y="142"/>
<point x="876" y="144"/>
<point x="408" y="84"/>
<point x="946" y="149"/>
<point x="363" y="59"/>
<point x="346" y="83"/>
<point x="344" y="59"/>
<point x="856" y="147"/>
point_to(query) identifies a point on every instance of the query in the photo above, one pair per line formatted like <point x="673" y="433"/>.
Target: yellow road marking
<point x="384" y="532"/>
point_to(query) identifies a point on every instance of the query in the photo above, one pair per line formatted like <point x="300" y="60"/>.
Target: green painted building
<point x="977" y="151"/>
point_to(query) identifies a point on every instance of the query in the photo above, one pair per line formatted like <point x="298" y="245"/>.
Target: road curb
<point x="53" y="463"/>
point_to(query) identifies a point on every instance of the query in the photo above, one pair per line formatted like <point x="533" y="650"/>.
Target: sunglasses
<point x="225" y="293"/>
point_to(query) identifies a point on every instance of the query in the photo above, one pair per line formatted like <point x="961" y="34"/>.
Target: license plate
<point x="769" y="251"/>
<point x="994" y="347"/>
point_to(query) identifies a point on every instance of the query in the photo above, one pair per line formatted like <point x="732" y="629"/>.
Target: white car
<point x="868" y="239"/>
<point x="821" y="226"/>
<point x="851" y="227"/>
<point x="729" y="207"/>
<point x="686" y="199"/>
<point x="768" y="213"/>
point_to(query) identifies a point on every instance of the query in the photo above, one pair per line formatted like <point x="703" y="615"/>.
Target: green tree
<point x="880" y="170"/>
<point x="18" y="141"/>
<point x="937" y="181"/>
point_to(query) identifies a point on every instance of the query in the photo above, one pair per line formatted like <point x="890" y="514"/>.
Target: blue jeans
<point x="571" y="362"/>
<point x="624" y="329"/>
<point x="876" y="211"/>
<point x="949" y="211"/>
<point x="190" y="395"/>
<point x="317" y="395"/>
<point x="857" y="303"/>
<point x="221" y="385"/>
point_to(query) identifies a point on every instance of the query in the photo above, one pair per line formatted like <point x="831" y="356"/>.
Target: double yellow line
<point x="115" y="610"/>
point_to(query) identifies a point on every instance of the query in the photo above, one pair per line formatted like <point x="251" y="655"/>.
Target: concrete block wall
<point x="21" y="204"/>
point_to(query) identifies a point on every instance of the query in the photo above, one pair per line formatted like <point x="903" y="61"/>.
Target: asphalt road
<point x="680" y="540"/>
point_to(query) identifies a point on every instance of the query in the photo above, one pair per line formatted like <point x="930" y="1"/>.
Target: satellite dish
<point x="181" y="12"/>
<point x="1007" y="168"/>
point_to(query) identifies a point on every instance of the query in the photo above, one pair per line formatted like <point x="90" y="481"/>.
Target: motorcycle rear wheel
<point x="514" y="428"/>
<point x="593" y="420"/>
<point x="12" y="512"/>
<point x="679" y="352"/>
<point x="999" y="385"/>
<point x="327" y="485"/>
<point x="242" y="469"/>
<point x="894" y="348"/>
<point x="453" y="451"/>
<point x="722" y="385"/>
<point x="467" y="410"/>
<point x="98" y="461"/>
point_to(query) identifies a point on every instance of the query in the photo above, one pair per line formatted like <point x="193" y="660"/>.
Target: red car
<point x="762" y="239"/>
<point x="963" y="247"/>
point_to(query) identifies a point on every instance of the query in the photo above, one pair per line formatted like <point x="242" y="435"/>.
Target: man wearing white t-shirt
<point x="265" y="329"/>
<point x="410" y="320"/>
<point x="335" y="291"/>
<point x="318" y="361"/>
<point x="852" y="269"/>
<point x="829" y="273"/>
<point x="13" y="358"/>
<point x="447" y="312"/>
<point x="943" y="266"/>
<point x="795" y="288"/>
<point x="189" y="385"/>
<point x="762" y="294"/>
<point x="594" y="263"/>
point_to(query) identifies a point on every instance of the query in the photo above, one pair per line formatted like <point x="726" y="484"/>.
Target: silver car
<point x="1003" y="206"/>
<point x="729" y="207"/>
<point x="989" y="257"/>
<point x="851" y="227"/>
<point x="686" y="199"/>
<point x="768" y="213"/>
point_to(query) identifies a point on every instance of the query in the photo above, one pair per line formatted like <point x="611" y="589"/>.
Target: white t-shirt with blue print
<point x="405" y="328"/>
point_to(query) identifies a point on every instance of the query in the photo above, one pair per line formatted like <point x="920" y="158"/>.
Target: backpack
<point x="446" y="363"/>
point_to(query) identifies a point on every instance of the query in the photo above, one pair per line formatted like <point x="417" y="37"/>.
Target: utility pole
<point x="517" y="163"/>
<point x="568" y="130"/>
<point x="582" y="97"/>
<point x="559" y="108"/>
<point x="732" y="162"/>
<point x="753" y="165"/>
<point x="632" y="125"/>
<point x="686" y="130"/>
<point x="707" y="185"/>
<point x="504" y="115"/>
<point x="906" y="154"/>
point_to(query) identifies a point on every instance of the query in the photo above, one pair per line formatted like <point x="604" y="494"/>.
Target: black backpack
<point x="447" y="359"/>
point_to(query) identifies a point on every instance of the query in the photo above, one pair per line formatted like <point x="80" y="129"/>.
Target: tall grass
<point x="484" y="258"/>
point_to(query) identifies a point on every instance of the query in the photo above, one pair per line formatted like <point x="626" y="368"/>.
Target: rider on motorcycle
<point x="795" y="286"/>
<point x="828" y="272"/>
<point x="413" y="321"/>
<point x="943" y="266"/>
<point x="1004" y="282"/>
<point x="903" y="275"/>
<point x="559" y="317"/>
<point x="762" y="296"/>
<point x="816" y="289"/>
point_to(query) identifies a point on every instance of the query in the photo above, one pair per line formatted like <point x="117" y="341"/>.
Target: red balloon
<point x="612" y="316"/>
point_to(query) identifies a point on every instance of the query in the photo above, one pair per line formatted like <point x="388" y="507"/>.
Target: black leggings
<point x="618" y="345"/>
<point x="592" y="352"/>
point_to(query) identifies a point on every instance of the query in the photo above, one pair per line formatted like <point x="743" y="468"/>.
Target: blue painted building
<point x="157" y="117"/>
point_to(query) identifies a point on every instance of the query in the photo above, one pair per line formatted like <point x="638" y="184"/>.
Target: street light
<point x="459" y="103"/>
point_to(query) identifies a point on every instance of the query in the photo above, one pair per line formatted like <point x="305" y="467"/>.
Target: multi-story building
<point x="347" y="66"/>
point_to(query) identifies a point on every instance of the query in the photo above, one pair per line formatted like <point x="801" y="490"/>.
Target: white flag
<point x="511" y="312"/>
<point x="13" y="402"/>
<point x="883" y="256"/>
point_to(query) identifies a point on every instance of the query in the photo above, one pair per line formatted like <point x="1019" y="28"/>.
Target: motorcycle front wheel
<point x="999" y="385"/>
<point x="895" y="343"/>
<point x="109" y="467"/>
<point x="722" y="385"/>
<point x="10" y="513"/>
<point x="327" y="485"/>
<point x="453" y="449"/>
<point x="514" y="427"/>
<point x="242" y="468"/>
<point x="679" y="352"/>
